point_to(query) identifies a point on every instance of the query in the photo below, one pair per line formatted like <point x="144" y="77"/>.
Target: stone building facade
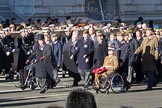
<point x="127" y="10"/>
<point x="148" y="9"/>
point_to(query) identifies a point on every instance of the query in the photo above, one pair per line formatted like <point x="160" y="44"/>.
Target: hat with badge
<point x="22" y="30"/>
<point x="70" y="25"/>
<point x="86" y="27"/>
<point x="111" y="48"/>
<point x="129" y="31"/>
<point x="105" y="27"/>
<point x="6" y="29"/>
<point x="40" y="36"/>
<point x="45" y="28"/>
<point x="99" y="33"/>
<point x="54" y="35"/>
<point x="28" y="27"/>
<point x="51" y="25"/>
<point x="149" y="29"/>
<point x="85" y="32"/>
<point x="67" y="29"/>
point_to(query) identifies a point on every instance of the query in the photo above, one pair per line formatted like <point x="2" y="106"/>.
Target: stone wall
<point x="43" y="8"/>
<point x="128" y="9"/>
<point x="4" y="2"/>
<point x="148" y="9"/>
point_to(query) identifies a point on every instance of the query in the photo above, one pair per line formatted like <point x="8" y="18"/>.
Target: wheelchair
<point x="114" y="83"/>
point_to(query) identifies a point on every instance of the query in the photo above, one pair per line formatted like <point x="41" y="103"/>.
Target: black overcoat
<point x="42" y="67"/>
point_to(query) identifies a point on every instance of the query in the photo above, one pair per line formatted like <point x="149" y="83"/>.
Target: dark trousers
<point x="52" y="78"/>
<point x="75" y="76"/>
<point x="53" y="75"/>
<point x="42" y="82"/>
<point x="130" y="74"/>
<point x="64" y="69"/>
<point x="23" y="75"/>
<point x="85" y="74"/>
<point x="150" y="75"/>
<point x="50" y="82"/>
<point x="158" y="75"/>
<point x="123" y="70"/>
<point x="139" y="72"/>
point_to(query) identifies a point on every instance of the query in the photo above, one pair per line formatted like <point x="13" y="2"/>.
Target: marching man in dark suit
<point x="138" y="63"/>
<point x="70" y="64"/>
<point x="100" y="50"/>
<point x="64" y="40"/>
<point x="43" y="59"/>
<point x="84" y="50"/>
<point x="57" y="55"/>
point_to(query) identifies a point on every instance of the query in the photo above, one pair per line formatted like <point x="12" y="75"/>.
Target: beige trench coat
<point x="149" y="49"/>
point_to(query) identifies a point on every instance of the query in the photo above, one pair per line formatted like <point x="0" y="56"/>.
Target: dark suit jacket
<point x="57" y="53"/>
<point x="127" y="51"/>
<point x="100" y="52"/>
<point x="84" y="48"/>
<point x="8" y="42"/>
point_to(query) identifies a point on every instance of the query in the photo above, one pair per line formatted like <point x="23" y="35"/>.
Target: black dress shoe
<point x="154" y="85"/>
<point x="17" y="77"/>
<point x="43" y="90"/>
<point x="19" y="85"/>
<point x="127" y="88"/>
<point x="74" y="84"/>
<point x="57" y="81"/>
<point x="34" y="86"/>
<point x="148" y="89"/>
<point x="7" y="78"/>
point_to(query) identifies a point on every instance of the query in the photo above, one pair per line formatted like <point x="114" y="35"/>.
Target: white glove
<point x="7" y="53"/>
<point x="28" y="52"/>
<point x="13" y="50"/>
<point x="87" y="60"/>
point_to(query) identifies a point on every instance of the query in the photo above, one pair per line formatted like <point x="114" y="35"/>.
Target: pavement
<point x="136" y="97"/>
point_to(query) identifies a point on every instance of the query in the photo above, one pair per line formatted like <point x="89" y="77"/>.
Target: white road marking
<point x="13" y="90"/>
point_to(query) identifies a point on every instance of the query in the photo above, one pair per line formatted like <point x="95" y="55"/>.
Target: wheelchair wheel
<point x="117" y="83"/>
<point x="104" y="85"/>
